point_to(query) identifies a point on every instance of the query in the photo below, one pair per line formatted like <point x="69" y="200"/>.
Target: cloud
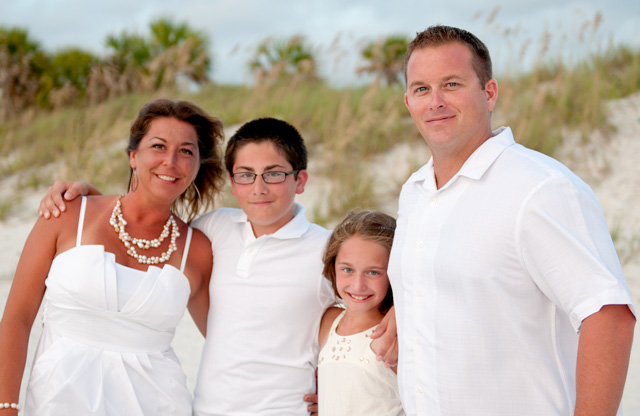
<point x="236" y="27"/>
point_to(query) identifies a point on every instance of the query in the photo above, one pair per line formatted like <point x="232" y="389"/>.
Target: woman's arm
<point x="200" y="263"/>
<point x="27" y="291"/>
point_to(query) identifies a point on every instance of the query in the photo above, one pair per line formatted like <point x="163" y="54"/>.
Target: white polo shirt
<point x="267" y="298"/>
<point x="492" y="276"/>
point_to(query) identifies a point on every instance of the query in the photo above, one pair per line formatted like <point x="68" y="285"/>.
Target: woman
<point x="115" y="278"/>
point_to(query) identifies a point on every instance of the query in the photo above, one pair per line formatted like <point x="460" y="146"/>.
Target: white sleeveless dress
<point x="350" y="380"/>
<point x="96" y="359"/>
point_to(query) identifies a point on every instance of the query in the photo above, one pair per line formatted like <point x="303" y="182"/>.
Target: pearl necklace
<point x="118" y="222"/>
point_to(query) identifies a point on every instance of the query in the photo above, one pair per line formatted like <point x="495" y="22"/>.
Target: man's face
<point x="446" y="100"/>
<point x="268" y="206"/>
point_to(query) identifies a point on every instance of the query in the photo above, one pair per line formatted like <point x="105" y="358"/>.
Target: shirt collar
<point x="293" y="229"/>
<point x="476" y="165"/>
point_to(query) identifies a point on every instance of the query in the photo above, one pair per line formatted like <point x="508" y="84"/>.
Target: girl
<point x="350" y="379"/>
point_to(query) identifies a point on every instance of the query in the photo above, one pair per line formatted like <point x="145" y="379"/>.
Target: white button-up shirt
<point x="492" y="276"/>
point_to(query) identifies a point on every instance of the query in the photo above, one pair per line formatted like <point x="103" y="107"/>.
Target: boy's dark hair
<point x="283" y="135"/>
<point x="439" y="35"/>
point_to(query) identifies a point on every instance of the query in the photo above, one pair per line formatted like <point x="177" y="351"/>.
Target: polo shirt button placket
<point x="246" y="260"/>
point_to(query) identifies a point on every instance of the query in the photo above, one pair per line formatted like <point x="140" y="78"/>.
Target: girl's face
<point x="361" y="274"/>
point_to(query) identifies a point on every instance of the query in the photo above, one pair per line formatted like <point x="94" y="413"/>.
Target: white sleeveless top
<point x="100" y="358"/>
<point x="350" y="379"/>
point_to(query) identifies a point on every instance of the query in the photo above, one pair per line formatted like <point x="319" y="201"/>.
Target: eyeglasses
<point x="247" y="178"/>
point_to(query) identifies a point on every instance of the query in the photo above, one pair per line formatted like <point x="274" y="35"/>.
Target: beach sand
<point x="609" y="164"/>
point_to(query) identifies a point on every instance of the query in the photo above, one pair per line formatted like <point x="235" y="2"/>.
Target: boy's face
<point x="268" y="206"/>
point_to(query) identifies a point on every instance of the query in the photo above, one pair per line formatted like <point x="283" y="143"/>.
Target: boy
<point x="267" y="291"/>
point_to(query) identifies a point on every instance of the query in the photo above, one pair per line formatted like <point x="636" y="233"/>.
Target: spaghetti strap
<point x="185" y="253"/>
<point x="81" y="221"/>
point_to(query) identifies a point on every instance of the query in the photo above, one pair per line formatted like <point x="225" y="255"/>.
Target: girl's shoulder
<point x="330" y="315"/>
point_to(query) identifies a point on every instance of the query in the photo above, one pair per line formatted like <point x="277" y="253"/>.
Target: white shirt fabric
<point x="492" y="276"/>
<point x="267" y="298"/>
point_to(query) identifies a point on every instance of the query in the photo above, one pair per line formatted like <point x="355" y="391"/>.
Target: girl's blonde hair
<point x="368" y="225"/>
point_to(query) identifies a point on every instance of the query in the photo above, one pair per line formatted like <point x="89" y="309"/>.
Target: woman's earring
<point x="134" y="181"/>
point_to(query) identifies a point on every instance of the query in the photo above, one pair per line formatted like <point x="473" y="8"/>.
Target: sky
<point x="336" y="29"/>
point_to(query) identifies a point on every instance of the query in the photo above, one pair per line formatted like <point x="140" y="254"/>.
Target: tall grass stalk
<point x="345" y="128"/>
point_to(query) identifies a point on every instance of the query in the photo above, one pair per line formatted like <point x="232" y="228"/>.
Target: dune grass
<point x="541" y="105"/>
<point x="343" y="127"/>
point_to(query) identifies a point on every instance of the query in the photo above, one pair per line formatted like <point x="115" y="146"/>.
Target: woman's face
<point x="167" y="159"/>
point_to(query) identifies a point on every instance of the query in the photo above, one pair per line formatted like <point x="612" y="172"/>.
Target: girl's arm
<point x="27" y="291"/>
<point x="200" y="263"/>
<point x="328" y="317"/>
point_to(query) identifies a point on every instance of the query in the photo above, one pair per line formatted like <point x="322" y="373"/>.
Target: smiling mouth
<point x="167" y="178"/>
<point x="356" y="297"/>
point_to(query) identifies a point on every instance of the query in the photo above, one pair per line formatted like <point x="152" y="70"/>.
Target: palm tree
<point x="129" y="50"/>
<point x="123" y="70"/>
<point x="141" y="63"/>
<point x="22" y="64"/>
<point x="68" y="72"/>
<point x="275" y="59"/>
<point x="185" y="50"/>
<point x="385" y="58"/>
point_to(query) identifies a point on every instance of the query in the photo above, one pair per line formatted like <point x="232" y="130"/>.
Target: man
<point x="510" y="299"/>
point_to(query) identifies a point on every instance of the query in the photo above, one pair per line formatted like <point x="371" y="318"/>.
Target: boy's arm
<point x="53" y="202"/>
<point x="312" y="399"/>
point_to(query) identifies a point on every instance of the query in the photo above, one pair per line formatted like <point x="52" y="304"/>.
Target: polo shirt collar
<point x="293" y="229"/>
<point x="476" y="165"/>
